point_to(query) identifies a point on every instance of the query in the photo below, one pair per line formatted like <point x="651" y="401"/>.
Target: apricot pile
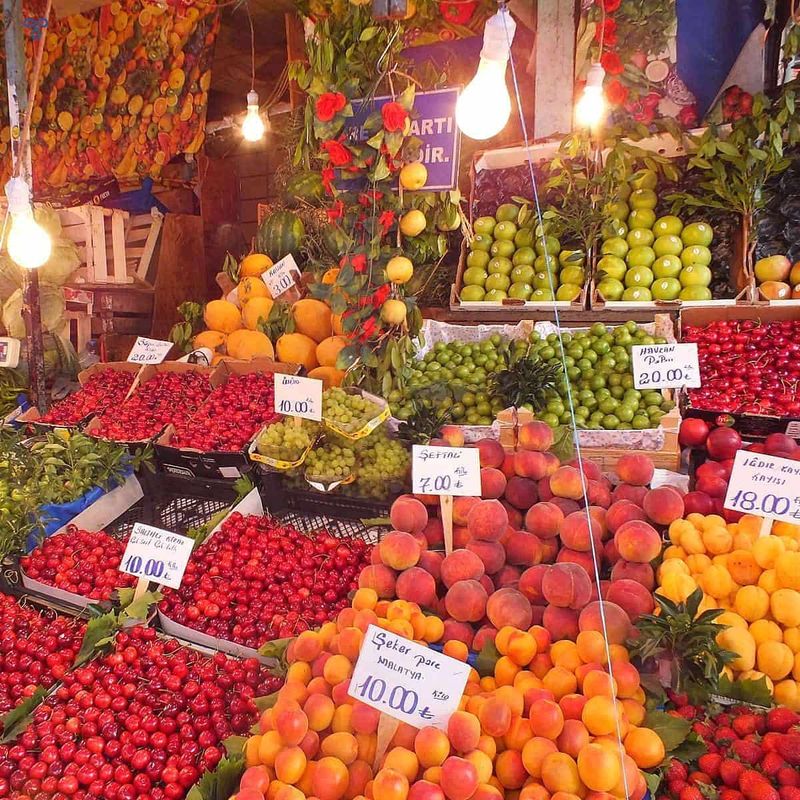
<point x="531" y="550"/>
<point x="756" y="579"/>
<point x="550" y="722"/>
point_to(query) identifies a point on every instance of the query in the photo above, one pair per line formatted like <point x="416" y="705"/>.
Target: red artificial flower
<point x="328" y="175"/>
<point x="339" y="155"/>
<point x="381" y="294"/>
<point x="616" y="93"/>
<point x="386" y="220"/>
<point x="394" y="117"/>
<point x="328" y="105"/>
<point x="687" y="116"/>
<point x="606" y="32"/>
<point x="336" y="211"/>
<point x="612" y="63"/>
<point x="609" y="6"/>
<point x="368" y="327"/>
<point x="358" y="262"/>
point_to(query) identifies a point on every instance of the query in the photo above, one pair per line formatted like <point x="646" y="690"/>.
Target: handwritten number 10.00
<point x="152" y="568"/>
<point x="400" y="699"/>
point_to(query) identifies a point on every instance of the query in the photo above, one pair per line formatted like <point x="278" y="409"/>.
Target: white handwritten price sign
<point x="280" y="277"/>
<point x="149" y="351"/>
<point x="156" y="555"/>
<point x="446" y="470"/>
<point x="767" y="486"/>
<point x="298" y="397"/>
<point x="665" y="366"/>
<point x="407" y="681"/>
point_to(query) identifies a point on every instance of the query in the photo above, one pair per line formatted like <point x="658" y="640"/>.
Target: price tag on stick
<point x="665" y="366"/>
<point x="298" y="397"/>
<point x="281" y="276"/>
<point x="407" y="681"/>
<point x="153" y="554"/>
<point x="767" y="486"/>
<point x="149" y="351"/>
<point x="446" y="470"/>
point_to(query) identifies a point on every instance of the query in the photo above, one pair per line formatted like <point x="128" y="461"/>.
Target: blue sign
<point x="435" y="124"/>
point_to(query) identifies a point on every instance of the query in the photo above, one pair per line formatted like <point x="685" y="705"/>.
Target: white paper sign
<point x="280" y="277"/>
<point x="298" y="397"/>
<point x="446" y="470"/>
<point x="767" y="486"/>
<point x="157" y="555"/>
<point x="407" y="681"/>
<point x="665" y="366"/>
<point x="149" y="351"/>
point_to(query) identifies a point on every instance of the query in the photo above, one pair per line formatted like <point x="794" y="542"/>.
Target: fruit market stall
<point x="474" y="474"/>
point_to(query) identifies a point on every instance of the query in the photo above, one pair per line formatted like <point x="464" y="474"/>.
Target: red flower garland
<point x="328" y="105"/>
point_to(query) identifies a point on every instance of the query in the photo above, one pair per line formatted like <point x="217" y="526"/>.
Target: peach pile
<point x="525" y="551"/>
<point x="550" y="722"/>
<point x="756" y="579"/>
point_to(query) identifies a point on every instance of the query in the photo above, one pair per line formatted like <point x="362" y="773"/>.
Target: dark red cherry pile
<point x="232" y="415"/>
<point x="81" y="562"/>
<point x="166" y="398"/>
<point x="36" y="649"/>
<point x="748" y="366"/>
<point x="104" y="389"/>
<point x="257" y="580"/>
<point x="145" y="721"/>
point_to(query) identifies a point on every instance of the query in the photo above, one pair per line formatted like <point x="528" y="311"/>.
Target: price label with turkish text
<point x="665" y="366"/>
<point x="156" y="555"/>
<point x="298" y="397"/>
<point x="281" y="276"/>
<point x="446" y="470"/>
<point x="149" y="351"/>
<point x="406" y="680"/>
<point x="767" y="486"/>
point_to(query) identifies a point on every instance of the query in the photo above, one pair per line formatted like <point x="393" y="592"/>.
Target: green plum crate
<point x="741" y="284"/>
<point x="503" y="176"/>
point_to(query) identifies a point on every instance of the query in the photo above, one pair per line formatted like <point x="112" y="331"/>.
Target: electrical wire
<point x="562" y="350"/>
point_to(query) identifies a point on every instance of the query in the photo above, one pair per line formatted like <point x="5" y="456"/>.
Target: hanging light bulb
<point x="591" y="107"/>
<point x="28" y="242"/>
<point x="484" y="106"/>
<point x="253" y="125"/>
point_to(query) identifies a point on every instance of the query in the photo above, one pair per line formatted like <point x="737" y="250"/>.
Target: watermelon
<point x="305" y="186"/>
<point x="281" y="233"/>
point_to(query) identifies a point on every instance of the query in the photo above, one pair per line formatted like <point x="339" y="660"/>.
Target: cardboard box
<point x="146" y="373"/>
<point x="190" y="462"/>
<point x="33" y="417"/>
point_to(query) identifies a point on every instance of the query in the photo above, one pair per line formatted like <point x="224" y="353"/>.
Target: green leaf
<point x="221" y="783"/>
<point x="368" y="33"/>
<point x="727" y="148"/>
<point x="487" y="658"/>
<point x="139" y="608"/>
<point x="99" y="632"/>
<point x="653" y="781"/>
<point x="755" y="693"/>
<point x="276" y="648"/>
<point x="690" y="750"/>
<point x="234" y="745"/>
<point x="18" y="718"/>
<point x="265" y="702"/>
<point x="671" y="730"/>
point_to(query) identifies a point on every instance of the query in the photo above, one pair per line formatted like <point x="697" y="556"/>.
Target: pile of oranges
<point x="546" y="724"/>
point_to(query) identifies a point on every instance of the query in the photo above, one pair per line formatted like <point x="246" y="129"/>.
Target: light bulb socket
<point x="252" y="98"/>
<point x="595" y="76"/>
<point x="498" y="34"/>
<point x="18" y="194"/>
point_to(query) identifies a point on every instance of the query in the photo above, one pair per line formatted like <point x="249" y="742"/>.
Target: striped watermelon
<point x="304" y="186"/>
<point x="279" y="234"/>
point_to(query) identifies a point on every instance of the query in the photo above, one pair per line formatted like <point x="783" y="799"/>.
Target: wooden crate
<point x="113" y="246"/>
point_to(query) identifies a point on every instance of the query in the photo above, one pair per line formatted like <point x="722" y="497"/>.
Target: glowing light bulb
<point x="484" y="106"/>
<point x="28" y="242"/>
<point x="591" y="107"/>
<point x="253" y="125"/>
